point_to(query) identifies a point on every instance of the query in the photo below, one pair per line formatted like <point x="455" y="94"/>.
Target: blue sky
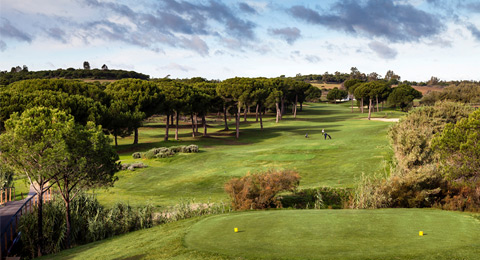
<point x="416" y="39"/>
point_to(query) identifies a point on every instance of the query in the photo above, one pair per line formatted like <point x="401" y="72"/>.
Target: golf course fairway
<point x="339" y="234"/>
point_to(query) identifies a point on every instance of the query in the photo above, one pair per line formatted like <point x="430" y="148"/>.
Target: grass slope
<point x="299" y="234"/>
<point x="357" y="146"/>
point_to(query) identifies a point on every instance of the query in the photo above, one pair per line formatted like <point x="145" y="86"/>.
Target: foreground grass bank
<point x="357" y="146"/>
<point x="299" y="234"/>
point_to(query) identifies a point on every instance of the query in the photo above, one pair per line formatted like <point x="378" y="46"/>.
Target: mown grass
<point x="299" y="234"/>
<point x="357" y="146"/>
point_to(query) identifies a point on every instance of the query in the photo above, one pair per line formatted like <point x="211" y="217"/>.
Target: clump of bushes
<point x="89" y="221"/>
<point x="164" y="152"/>
<point x="133" y="166"/>
<point x="260" y="190"/>
<point x="436" y="162"/>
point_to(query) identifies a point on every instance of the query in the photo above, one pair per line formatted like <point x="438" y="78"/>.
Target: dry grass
<point x="326" y="85"/>
<point x="425" y="89"/>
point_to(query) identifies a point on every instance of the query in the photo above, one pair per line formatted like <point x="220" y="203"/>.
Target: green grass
<point x="299" y="234"/>
<point x="357" y="146"/>
<point x="22" y="187"/>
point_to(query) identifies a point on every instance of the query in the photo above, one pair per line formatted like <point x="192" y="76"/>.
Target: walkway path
<point x="10" y="208"/>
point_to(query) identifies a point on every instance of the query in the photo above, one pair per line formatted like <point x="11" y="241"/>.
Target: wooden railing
<point x="6" y="195"/>
<point x="10" y="234"/>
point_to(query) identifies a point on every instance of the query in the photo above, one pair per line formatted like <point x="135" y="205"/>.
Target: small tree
<point x="90" y="161"/>
<point x="33" y="144"/>
<point x="86" y="65"/>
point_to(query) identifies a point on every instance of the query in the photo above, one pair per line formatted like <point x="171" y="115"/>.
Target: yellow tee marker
<point x="420" y="233"/>
<point x="235" y="230"/>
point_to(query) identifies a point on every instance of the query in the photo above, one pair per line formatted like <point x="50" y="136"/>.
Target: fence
<point x="6" y="195"/>
<point x="10" y="235"/>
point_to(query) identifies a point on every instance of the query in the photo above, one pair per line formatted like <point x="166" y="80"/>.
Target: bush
<point x="150" y="154"/>
<point x="259" y="191"/>
<point x="164" y="152"/>
<point x="188" y="209"/>
<point x="411" y="138"/>
<point x="89" y="222"/>
<point x="320" y="198"/>
<point x="465" y="198"/>
<point x="191" y="149"/>
<point x="177" y="149"/>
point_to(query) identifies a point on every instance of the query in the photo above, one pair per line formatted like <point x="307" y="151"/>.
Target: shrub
<point x="176" y="149"/>
<point x="163" y="152"/>
<point x="465" y="198"/>
<point x="137" y="155"/>
<point x="411" y="138"/>
<point x="319" y="198"/>
<point x="150" y="154"/>
<point x="191" y="149"/>
<point x="90" y="222"/>
<point x="133" y="166"/>
<point x="259" y="191"/>
<point x="188" y="209"/>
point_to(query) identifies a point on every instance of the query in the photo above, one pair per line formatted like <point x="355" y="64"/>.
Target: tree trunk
<point x="116" y="142"/>
<point x="301" y="106"/>
<point x="278" y="112"/>
<point x="382" y="105"/>
<point x="261" y="122"/>
<point x="361" y="104"/>
<point x="40" y="238"/>
<point x="176" y="124"/>
<point x="377" y="105"/>
<point x="166" y="128"/>
<point x="256" y="112"/>
<point x="196" y="123"/>
<point x="68" y="220"/>
<point x="245" y="113"/>
<point x="369" y="108"/>
<point x="225" y="117"/>
<point x="135" y="136"/>
<point x="282" y="112"/>
<point x="295" y="107"/>
<point x="193" y="125"/>
<point x="172" y="124"/>
<point x="204" y="123"/>
<point x="237" y="122"/>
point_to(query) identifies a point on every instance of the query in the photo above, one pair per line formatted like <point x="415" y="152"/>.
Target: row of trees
<point x="464" y="92"/>
<point x="18" y="73"/>
<point x="339" y="77"/>
<point x="380" y="91"/>
<point x="121" y="107"/>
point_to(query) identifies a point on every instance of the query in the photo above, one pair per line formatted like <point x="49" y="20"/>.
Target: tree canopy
<point x="403" y="96"/>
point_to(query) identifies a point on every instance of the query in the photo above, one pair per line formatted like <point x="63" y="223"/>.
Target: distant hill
<point x="93" y="74"/>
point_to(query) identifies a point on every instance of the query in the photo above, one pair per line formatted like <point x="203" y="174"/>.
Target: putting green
<point x="339" y="234"/>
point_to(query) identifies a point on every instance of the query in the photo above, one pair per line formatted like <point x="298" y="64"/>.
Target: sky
<point x="417" y="39"/>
